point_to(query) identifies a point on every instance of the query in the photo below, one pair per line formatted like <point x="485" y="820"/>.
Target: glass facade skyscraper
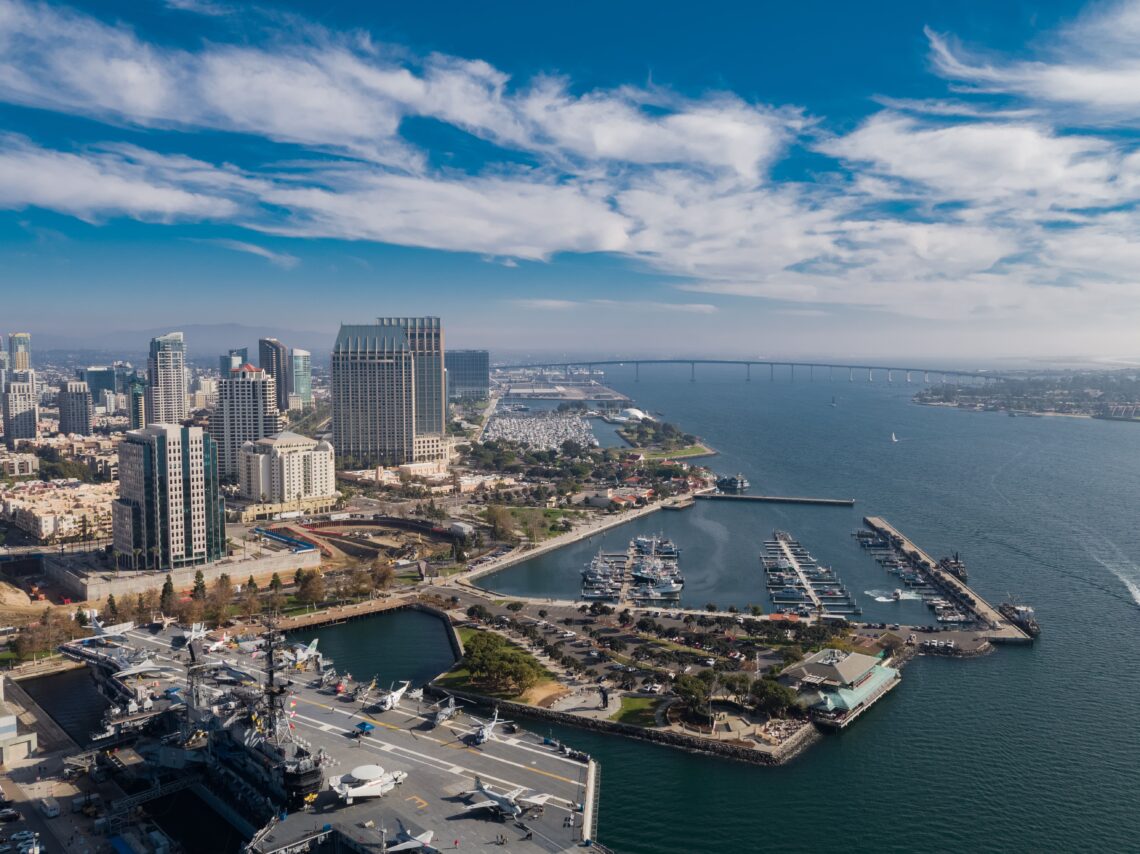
<point x="273" y="358"/>
<point x="468" y="374"/>
<point x="301" y="375"/>
<point x="19" y="351"/>
<point x="388" y="392"/>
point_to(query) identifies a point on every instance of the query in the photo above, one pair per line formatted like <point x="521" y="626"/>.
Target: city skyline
<point x="930" y="181"/>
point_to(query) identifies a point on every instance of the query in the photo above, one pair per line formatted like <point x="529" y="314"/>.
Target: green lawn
<point x="637" y="711"/>
<point x="688" y="451"/>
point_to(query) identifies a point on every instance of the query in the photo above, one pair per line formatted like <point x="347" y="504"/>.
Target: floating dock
<point x="998" y="628"/>
<point x="796" y="578"/>
<point x="776" y="499"/>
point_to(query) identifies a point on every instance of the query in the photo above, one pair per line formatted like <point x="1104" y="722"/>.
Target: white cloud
<point x="617" y="305"/>
<point x="95" y="186"/>
<point x="278" y="259"/>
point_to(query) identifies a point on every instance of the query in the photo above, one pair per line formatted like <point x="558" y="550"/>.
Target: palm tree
<point x="137" y="553"/>
<point x="115" y="555"/>
<point x="156" y="553"/>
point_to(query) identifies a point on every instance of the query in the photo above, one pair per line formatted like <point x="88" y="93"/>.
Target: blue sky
<point x="898" y="178"/>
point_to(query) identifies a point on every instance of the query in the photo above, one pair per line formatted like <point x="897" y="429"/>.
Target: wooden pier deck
<point x="790" y="556"/>
<point x="1001" y="630"/>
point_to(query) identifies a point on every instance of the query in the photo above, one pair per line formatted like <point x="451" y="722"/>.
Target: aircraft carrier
<point x="297" y="756"/>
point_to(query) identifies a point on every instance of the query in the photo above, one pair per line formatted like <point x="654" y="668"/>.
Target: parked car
<point x="7" y="815"/>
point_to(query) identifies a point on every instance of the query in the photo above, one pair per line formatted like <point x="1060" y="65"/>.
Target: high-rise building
<point x="136" y="401"/>
<point x="468" y="374"/>
<point x="273" y="357"/>
<point x="301" y="376"/>
<point x="123" y="372"/>
<point x="232" y="359"/>
<point x="19" y="351"/>
<point x="75" y="408"/>
<point x="21" y="407"/>
<point x="287" y="467"/>
<point x="166" y="380"/>
<point x="245" y="412"/>
<point x="388" y="392"/>
<point x="4" y="368"/>
<point x="99" y="378"/>
<point x="169" y="513"/>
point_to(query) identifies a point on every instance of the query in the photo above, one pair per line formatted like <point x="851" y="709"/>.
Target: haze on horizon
<point x="928" y="182"/>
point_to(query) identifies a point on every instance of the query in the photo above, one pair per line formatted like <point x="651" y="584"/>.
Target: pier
<point x="1000" y="630"/>
<point x="776" y="499"/>
<point x="791" y="555"/>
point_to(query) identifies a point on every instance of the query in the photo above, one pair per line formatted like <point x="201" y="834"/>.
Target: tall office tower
<point x="75" y="408"/>
<point x="19" y="351"/>
<point x="136" y="401"/>
<point x="123" y="372"/>
<point x="468" y="374"/>
<point x="388" y="392"/>
<point x="21" y="407"/>
<point x="166" y="380"/>
<point x="246" y="411"/>
<point x="232" y="359"/>
<point x="169" y="513"/>
<point x="4" y="368"/>
<point x="99" y="378"/>
<point x="301" y="376"/>
<point x="273" y="358"/>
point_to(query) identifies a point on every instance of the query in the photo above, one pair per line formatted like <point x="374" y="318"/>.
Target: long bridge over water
<point x="814" y="369"/>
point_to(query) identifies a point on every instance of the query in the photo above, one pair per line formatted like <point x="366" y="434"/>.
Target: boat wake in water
<point x="1120" y="566"/>
<point x="889" y="596"/>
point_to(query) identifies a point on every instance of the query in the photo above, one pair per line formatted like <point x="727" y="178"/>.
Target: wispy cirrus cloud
<point x="621" y="305"/>
<point x="278" y="259"/>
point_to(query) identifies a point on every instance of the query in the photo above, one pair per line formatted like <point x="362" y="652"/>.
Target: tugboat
<point x="1021" y="616"/>
<point x="955" y="566"/>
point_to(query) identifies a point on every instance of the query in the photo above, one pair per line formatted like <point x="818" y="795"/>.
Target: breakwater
<point x="777" y="499"/>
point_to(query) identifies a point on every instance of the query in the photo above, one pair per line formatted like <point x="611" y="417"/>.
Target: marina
<point x="942" y="585"/>
<point x="798" y="584"/>
<point x="647" y="572"/>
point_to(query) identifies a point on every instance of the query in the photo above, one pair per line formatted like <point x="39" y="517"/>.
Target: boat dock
<point x="776" y="499"/>
<point x="794" y="578"/>
<point x="998" y="628"/>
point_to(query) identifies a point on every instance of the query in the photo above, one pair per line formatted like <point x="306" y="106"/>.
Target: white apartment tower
<point x="388" y="392"/>
<point x="169" y="513"/>
<point x="21" y="407"/>
<point x="287" y="467"/>
<point x="166" y="380"/>
<point x="246" y="411"/>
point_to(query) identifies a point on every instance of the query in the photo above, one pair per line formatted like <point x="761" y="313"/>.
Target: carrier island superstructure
<point x="300" y="758"/>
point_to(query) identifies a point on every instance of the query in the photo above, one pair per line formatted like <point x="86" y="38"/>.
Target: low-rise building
<point x="837" y="686"/>
<point x="19" y="465"/>
<point x="59" y="510"/>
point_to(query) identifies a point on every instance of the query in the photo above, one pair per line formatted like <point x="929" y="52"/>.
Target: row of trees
<point x="697" y="692"/>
